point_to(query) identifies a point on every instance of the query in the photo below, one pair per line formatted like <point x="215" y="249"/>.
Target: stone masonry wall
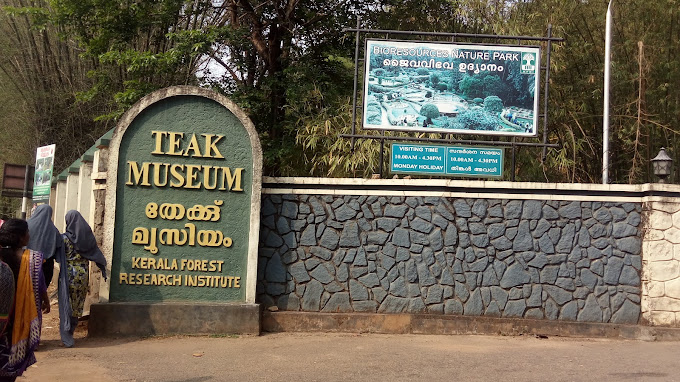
<point x="556" y="260"/>
<point x="661" y="276"/>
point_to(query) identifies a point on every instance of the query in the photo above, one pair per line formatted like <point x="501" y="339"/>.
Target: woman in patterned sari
<point x="80" y="247"/>
<point x="21" y="334"/>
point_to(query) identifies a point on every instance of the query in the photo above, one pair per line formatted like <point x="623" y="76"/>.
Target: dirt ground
<point x="343" y="357"/>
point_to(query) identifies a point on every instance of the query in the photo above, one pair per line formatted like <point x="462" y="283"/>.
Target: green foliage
<point x="291" y="70"/>
<point x="471" y="87"/>
<point x="378" y="89"/>
<point x="434" y="79"/>
<point x="477" y="119"/>
<point x="429" y="111"/>
<point x="493" y="104"/>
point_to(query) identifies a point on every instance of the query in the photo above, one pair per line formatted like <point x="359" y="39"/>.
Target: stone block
<point x="660" y="220"/>
<point x="676" y="219"/>
<point x="668" y="304"/>
<point x="338" y="303"/>
<point x="672" y="288"/>
<point x="350" y="235"/>
<point x="653" y="234"/>
<point x="657" y="251"/>
<point x="532" y="209"/>
<point x="655" y="289"/>
<point x="513" y="209"/>
<point x="663" y="270"/>
<point x="657" y="318"/>
<point x="480" y="207"/>
<point x="424" y="213"/>
<point x="401" y="238"/>
<point x="631" y="244"/>
<point x="591" y="311"/>
<point x="474" y="305"/>
<point x="523" y="241"/>
<point x="365" y="306"/>
<point x="672" y="235"/>
<point x="393" y="304"/>
<point x="396" y="211"/>
<point x="514" y="308"/>
<point x="629" y="276"/>
<point x="559" y="295"/>
<point x="571" y="210"/>
<point x="515" y="275"/>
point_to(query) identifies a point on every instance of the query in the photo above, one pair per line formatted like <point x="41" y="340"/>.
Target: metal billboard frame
<point x="387" y="33"/>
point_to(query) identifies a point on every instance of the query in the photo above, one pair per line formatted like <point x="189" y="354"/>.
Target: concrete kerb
<point x="168" y="318"/>
<point x="456" y="325"/>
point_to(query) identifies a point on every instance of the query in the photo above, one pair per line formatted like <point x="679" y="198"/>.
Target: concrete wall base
<point x="439" y="324"/>
<point x="148" y="319"/>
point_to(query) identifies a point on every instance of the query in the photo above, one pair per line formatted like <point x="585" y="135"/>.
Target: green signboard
<point x="446" y="160"/>
<point x="42" y="180"/>
<point x="186" y="185"/>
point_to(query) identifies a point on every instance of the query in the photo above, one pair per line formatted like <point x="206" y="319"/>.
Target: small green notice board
<point x="446" y="160"/>
<point x="42" y="180"/>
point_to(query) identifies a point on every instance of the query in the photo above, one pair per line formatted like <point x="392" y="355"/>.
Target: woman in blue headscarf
<point x="80" y="247"/>
<point x="45" y="238"/>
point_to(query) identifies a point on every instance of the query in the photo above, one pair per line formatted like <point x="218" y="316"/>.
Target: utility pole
<point x="605" y="118"/>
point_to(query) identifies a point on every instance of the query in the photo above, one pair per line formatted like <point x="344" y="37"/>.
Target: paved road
<point x="350" y="357"/>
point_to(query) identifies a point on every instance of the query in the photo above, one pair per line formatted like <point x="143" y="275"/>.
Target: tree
<point x="434" y="79"/>
<point x="41" y="76"/>
<point x="261" y="46"/>
<point x="493" y="104"/>
<point x="471" y="87"/>
<point x="429" y="111"/>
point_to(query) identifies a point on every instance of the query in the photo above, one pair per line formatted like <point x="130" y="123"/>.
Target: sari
<point x="26" y="320"/>
<point x="6" y="296"/>
<point x="78" y="249"/>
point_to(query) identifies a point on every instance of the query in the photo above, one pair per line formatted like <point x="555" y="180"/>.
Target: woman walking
<point x="80" y="247"/>
<point x="45" y="238"/>
<point x="22" y="325"/>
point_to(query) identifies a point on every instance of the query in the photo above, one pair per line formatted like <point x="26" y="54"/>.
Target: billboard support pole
<point x="24" y="199"/>
<point x="514" y="161"/>
<point x="605" y="117"/>
<point x="545" y="94"/>
<point x="356" y="79"/>
<point x="382" y="154"/>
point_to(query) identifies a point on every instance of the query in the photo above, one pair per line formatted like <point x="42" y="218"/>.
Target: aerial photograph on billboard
<point x="451" y="88"/>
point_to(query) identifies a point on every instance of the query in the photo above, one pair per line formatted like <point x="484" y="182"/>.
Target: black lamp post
<point x="662" y="165"/>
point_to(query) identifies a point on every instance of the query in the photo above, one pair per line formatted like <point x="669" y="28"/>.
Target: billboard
<point x="451" y="88"/>
<point x="42" y="180"/>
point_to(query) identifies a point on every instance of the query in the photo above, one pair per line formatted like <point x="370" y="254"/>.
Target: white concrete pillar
<point x="97" y="210"/>
<point x="72" y="187"/>
<point x="660" y="303"/>
<point x="53" y="197"/>
<point x="59" y="206"/>
<point x="98" y="183"/>
<point x="85" y="191"/>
